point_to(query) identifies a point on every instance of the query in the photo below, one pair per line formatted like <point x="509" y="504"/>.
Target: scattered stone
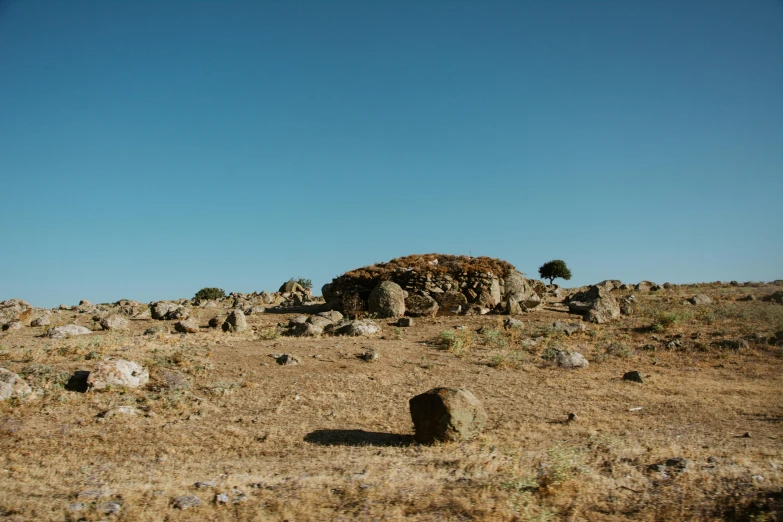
<point x="517" y="287"/>
<point x="421" y="306"/>
<point x="108" y="508"/>
<point x="63" y="332"/>
<point x="333" y="315"/>
<point x="749" y="297"/>
<point x="570" y="360"/>
<point x="11" y="385"/>
<point x="297" y="319"/>
<point x="205" y="484"/>
<point x="235" y="322"/>
<point x="161" y="309"/>
<point x="387" y="299"/>
<point x="221" y="498"/>
<point x="321" y="322"/>
<point x="451" y="299"/>
<point x="674" y="344"/>
<point x="647" y="286"/>
<point x="286" y="359"/>
<point x="186" y="326"/>
<point x="173" y="380"/>
<point x="157" y="329"/>
<point x="700" y="299"/>
<point x="633" y="377"/>
<point x="358" y="328"/>
<point x="776" y="297"/>
<point x="119" y="410"/>
<point x="732" y="344"/>
<point x="370" y="356"/>
<point x="186" y="502"/>
<point x="572" y="417"/>
<point x="305" y="330"/>
<point x="117" y="372"/>
<point x="255" y="310"/>
<point x="405" y="322"/>
<point x="115" y="322"/>
<point x="291" y="287"/>
<point x="13" y="325"/>
<point x="510" y="323"/>
<point x="568" y="328"/>
<point x="512" y="307"/>
<point x="447" y="415"/>
<point x="75" y="507"/>
<point x="44" y="320"/>
<point x="216" y="321"/>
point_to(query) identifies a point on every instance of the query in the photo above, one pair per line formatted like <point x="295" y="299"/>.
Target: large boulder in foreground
<point x="447" y="415"/>
<point x="387" y="300"/>
<point x="596" y="304"/>
<point x="11" y="385"/>
<point x="117" y="372"/>
<point x="235" y="322"/>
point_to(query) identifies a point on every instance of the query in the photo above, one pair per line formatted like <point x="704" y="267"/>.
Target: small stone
<point x="187" y="502"/>
<point x="61" y="332"/>
<point x="370" y="356"/>
<point x="44" y="320"/>
<point x="157" y="329"/>
<point x="570" y="360"/>
<point x="286" y="359"/>
<point x="633" y="377"/>
<point x="510" y="323"/>
<point x="700" y="299"/>
<point x="115" y="322"/>
<point x="76" y="506"/>
<point x="119" y="410"/>
<point x="205" y="484"/>
<point x="221" y="498"/>
<point x="108" y="508"/>
<point x="405" y="322"/>
<point x="573" y="417"/>
<point x="186" y="326"/>
<point x="13" y="325"/>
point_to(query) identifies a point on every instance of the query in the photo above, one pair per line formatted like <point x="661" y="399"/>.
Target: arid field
<point x="331" y="438"/>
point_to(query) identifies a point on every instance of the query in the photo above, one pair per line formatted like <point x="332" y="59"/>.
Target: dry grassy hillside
<point x="330" y="439"/>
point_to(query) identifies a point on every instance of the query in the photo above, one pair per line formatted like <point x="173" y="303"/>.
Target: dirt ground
<point x="331" y="439"/>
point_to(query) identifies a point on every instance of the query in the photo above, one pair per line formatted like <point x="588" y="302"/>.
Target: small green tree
<point x="304" y="283"/>
<point x="206" y="294"/>
<point x="554" y="269"/>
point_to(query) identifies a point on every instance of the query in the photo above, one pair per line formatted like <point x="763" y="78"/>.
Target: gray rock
<point x="117" y="372"/>
<point x="333" y="315"/>
<point x="75" y="507"/>
<point x="62" y="332"/>
<point x="13" y="325"/>
<point x="115" y="322"/>
<point x="255" y="310"/>
<point x="186" y="502"/>
<point x="44" y="320"/>
<point x="305" y="330"/>
<point x="186" y="326"/>
<point x="387" y="299"/>
<point x="633" y="377"/>
<point x="161" y="309"/>
<point x="358" y="328"/>
<point x="596" y="300"/>
<point x="570" y="360"/>
<point x="11" y="385"/>
<point x="516" y="286"/>
<point x="120" y="411"/>
<point x="610" y="284"/>
<point x="235" y="322"/>
<point x="568" y="328"/>
<point x="297" y="319"/>
<point x="775" y="297"/>
<point x="647" y="286"/>
<point x="405" y="322"/>
<point x="173" y="380"/>
<point x="700" y="299"/>
<point x="108" y="508"/>
<point x="370" y="356"/>
<point x="513" y="323"/>
<point x="286" y="359"/>
<point x="179" y="313"/>
<point x="319" y="321"/>
<point x="447" y="415"/>
<point x="157" y="329"/>
<point x="420" y="306"/>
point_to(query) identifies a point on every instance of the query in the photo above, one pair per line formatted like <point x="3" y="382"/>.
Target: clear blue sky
<point x="151" y="148"/>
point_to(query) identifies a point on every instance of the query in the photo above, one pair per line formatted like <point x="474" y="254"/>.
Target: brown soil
<point x="330" y="439"/>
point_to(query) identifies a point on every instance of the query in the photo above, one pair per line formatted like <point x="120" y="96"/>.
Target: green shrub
<point x="206" y="294"/>
<point x="304" y="283"/>
<point x="456" y="341"/>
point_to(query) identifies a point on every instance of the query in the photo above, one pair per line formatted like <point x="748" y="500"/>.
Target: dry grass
<point x="330" y="440"/>
<point x="422" y="263"/>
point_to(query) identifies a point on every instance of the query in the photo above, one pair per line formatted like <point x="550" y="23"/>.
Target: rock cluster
<point x="434" y="283"/>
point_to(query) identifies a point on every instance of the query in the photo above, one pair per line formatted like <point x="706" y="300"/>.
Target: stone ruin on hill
<point x="439" y="283"/>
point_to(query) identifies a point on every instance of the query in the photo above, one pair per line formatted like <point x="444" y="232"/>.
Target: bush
<point x="457" y="341"/>
<point x="210" y="293"/>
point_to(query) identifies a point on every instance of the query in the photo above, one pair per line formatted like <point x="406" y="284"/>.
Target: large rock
<point x="307" y="329"/>
<point x="387" y="299"/>
<point x="518" y="288"/>
<point x="117" y="372"/>
<point x="115" y="322"/>
<point x="186" y="326"/>
<point x="647" y="286"/>
<point x="775" y="297"/>
<point x="447" y="301"/>
<point x="359" y="328"/>
<point x="421" y="306"/>
<point x="44" y="320"/>
<point x="610" y="284"/>
<point x="570" y="360"/>
<point x="700" y="299"/>
<point x="235" y="322"/>
<point x="161" y="309"/>
<point x="61" y="332"/>
<point x="447" y="415"/>
<point x="11" y="385"/>
<point x="291" y="287"/>
<point x="595" y="303"/>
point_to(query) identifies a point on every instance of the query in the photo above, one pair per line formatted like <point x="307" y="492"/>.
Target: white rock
<point x="11" y="385"/>
<point x="61" y="332"/>
<point x="117" y="372"/>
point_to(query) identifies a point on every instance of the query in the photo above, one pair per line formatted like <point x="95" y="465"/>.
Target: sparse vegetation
<point x="458" y="341"/>
<point x="210" y="293"/>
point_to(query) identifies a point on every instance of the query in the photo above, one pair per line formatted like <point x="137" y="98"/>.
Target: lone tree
<point x="553" y="269"/>
<point x="208" y="293"/>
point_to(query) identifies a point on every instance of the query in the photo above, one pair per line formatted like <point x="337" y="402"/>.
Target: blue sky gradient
<point x="151" y="148"/>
